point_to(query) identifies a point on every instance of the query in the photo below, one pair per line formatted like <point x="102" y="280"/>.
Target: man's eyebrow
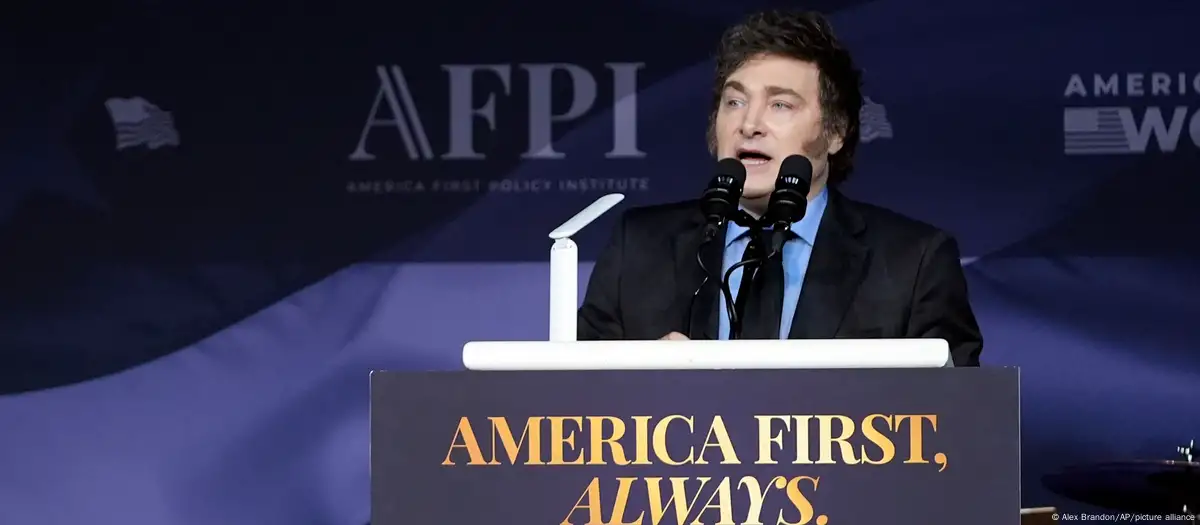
<point x="771" y="90"/>
<point x="777" y="90"/>
<point x="735" y="85"/>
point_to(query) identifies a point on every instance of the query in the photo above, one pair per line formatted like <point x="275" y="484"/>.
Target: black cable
<point x="707" y="275"/>
<point x="735" y="321"/>
<point x="779" y="236"/>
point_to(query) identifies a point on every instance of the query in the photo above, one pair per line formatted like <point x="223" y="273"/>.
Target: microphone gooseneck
<point x="719" y="200"/>
<point x="789" y="200"/>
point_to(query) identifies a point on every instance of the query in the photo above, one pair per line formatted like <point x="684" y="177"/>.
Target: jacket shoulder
<point x="890" y="224"/>
<point x="668" y="217"/>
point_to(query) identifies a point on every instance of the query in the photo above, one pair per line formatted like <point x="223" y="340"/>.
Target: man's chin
<point x="758" y="191"/>
<point x="755" y="201"/>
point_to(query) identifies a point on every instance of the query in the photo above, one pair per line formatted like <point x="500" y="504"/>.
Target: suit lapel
<point x="834" y="273"/>
<point x="703" y="311"/>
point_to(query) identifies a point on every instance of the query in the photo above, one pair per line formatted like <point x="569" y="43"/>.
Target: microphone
<point x="787" y="205"/>
<point x="789" y="200"/>
<point x="717" y="203"/>
<point x="721" y="197"/>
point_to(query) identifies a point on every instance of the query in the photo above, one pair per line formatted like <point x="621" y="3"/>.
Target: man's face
<point x="770" y="109"/>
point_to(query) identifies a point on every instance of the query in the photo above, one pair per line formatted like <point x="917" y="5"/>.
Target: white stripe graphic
<point x="417" y="130"/>
<point x="1096" y="131"/>
<point x="393" y="89"/>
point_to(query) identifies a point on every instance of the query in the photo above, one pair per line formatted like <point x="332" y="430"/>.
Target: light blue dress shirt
<point x="796" y="254"/>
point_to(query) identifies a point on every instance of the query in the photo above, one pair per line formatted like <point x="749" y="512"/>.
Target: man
<point x="784" y="86"/>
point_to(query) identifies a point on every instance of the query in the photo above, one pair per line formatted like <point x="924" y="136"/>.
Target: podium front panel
<point x="823" y="447"/>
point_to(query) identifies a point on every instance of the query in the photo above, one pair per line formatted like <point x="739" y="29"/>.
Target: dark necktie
<point x="759" y="300"/>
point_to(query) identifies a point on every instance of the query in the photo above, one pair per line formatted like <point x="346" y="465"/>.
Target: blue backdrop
<point x="216" y="217"/>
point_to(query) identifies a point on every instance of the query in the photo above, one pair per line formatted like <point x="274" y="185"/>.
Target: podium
<point x="799" y="432"/>
<point x="691" y="433"/>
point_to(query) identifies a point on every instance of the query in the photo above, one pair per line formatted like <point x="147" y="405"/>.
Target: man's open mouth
<point x="753" y="157"/>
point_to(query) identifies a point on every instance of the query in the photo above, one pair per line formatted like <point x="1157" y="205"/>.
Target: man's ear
<point x="835" y="144"/>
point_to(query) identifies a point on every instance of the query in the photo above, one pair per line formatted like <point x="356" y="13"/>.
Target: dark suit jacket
<point x="873" y="274"/>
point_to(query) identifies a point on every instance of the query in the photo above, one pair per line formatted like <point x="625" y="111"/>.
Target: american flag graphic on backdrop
<point x="873" y="121"/>
<point x="140" y="123"/>
<point x="1096" y="131"/>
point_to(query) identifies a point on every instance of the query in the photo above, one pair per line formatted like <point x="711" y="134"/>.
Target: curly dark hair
<point x="805" y="36"/>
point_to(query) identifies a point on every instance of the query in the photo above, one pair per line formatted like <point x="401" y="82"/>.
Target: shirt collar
<point x="806" y="229"/>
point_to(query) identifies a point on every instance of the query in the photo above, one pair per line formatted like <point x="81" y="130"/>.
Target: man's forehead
<point x="774" y="75"/>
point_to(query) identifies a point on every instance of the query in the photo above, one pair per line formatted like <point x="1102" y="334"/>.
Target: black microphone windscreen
<point x="734" y="168"/>
<point x="797" y="166"/>
<point x="788" y="201"/>
<point x="722" y="195"/>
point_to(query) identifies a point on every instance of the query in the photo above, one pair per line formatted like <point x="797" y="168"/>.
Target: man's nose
<point x="751" y="124"/>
